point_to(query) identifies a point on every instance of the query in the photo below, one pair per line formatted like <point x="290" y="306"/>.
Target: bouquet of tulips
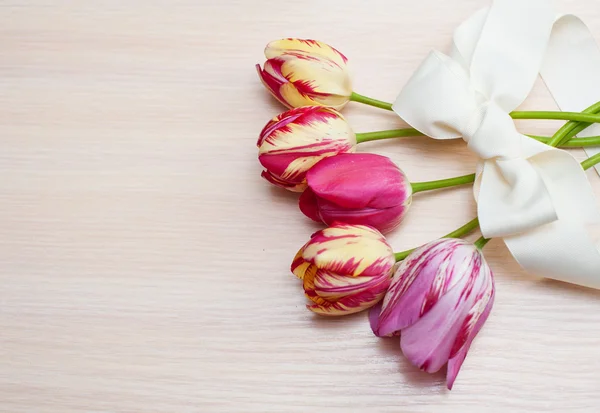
<point x="437" y="296"/>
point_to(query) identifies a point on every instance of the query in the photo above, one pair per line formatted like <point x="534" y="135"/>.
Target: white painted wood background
<point x="144" y="265"/>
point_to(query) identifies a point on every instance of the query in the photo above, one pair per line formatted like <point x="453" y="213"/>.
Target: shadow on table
<point x="337" y="323"/>
<point x="576" y="291"/>
<point x="390" y="347"/>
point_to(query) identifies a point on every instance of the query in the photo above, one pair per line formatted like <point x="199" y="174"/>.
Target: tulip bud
<point x="438" y="300"/>
<point x="344" y="269"/>
<point x="357" y="188"/>
<point x="306" y="72"/>
<point x="292" y="142"/>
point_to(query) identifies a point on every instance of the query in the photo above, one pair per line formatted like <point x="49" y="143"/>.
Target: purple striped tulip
<point x="292" y="142"/>
<point x="439" y="299"/>
<point x="344" y="269"/>
<point x="357" y="188"/>
<point x="306" y="72"/>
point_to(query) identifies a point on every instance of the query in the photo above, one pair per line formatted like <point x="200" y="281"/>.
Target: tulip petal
<point x="344" y="302"/>
<point x="309" y="47"/>
<point x="278" y="125"/>
<point x="317" y="131"/>
<point x="374" y="320"/>
<point x="403" y="303"/>
<point x="350" y="249"/>
<point x="273" y="68"/>
<point x="385" y="220"/>
<point x="316" y="78"/>
<point x="346" y="306"/>
<point x="333" y="286"/>
<point x="272" y="84"/>
<point x="308" y="205"/>
<point x="380" y="183"/>
<point x="422" y="278"/>
<point x="290" y="186"/>
<point x="428" y="342"/>
<point x="299" y="266"/>
<point x="475" y="320"/>
<point x="295" y="162"/>
<point x="374" y="317"/>
<point x="295" y="98"/>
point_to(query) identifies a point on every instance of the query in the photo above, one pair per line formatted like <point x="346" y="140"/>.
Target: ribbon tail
<point x="559" y="250"/>
<point x="564" y="249"/>
<point x="570" y="70"/>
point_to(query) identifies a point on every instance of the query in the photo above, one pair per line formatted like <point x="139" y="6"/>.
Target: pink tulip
<point x="439" y="299"/>
<point x="344" y="269"/>
<point x="292" y="142"/>
<point x="357" y="188"/>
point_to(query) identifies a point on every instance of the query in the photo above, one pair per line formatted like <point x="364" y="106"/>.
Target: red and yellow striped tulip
<point x="344" y="269"/>
<point x="306" y="72"/>
<point x="292" y="142"/>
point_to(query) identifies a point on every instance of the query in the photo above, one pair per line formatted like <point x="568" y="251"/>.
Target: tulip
<point x="344" y="269"/>
<point x="439" y="299"/>
<point x="306" y="72"/>
<point x="357" y="188"/>
<point x="292" y="142"/>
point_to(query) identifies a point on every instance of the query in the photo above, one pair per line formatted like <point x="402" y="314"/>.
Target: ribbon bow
<point x="537" y="198"/>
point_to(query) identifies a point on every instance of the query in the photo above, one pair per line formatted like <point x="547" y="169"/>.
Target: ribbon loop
<point x="437" y="100"/>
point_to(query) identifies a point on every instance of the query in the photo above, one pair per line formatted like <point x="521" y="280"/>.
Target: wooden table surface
<point x="144" y="264"/>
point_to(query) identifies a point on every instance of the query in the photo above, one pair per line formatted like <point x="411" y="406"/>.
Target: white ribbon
<point x="537" y="198"/>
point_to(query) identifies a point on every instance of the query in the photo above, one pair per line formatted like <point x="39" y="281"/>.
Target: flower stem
<point x="588" y="115"/>
<point x="570" y="129"/>
<point x="573" y="143"/>
<point x="386" y="134"/>
<point x="480" y="243"/>
<point x="457" y="233"/>
<point x="409" y="132"/>
<point x="557" y="115"/>
<point x="588" y="163"/>
<point x="370" y="101"/>
<point x="442" y="183"/>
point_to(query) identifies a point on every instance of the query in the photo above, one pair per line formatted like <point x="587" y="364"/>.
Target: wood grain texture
<point x="144" y="265"/>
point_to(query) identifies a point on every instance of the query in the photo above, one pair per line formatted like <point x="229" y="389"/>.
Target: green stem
<point x="588" y="163"/>
<point x="410" y="132"/>
<point x="570" y="129"/>
<point x="480" y="243"/>
<point x="556" y="115"/>
<point x="464" y="230"/>
<point x="573" y="143"/>
<point x="442" y="183"/>
<point x="370" y="101"/>
<point x="457" y="233"/>
<point x="588" y="115"/>
<point x="386" y="134"/>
